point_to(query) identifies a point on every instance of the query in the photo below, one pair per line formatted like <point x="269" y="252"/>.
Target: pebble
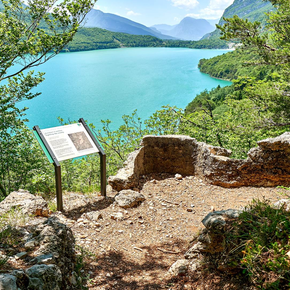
<point x="21" y="255"/>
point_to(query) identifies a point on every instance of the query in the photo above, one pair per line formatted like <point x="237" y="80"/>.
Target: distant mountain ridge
<point x="188" y="29"/>
<point x="115" y="23"/>
<point x="253" y="10"/>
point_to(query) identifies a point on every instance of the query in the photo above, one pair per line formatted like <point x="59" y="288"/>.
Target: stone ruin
<point x="266" y="165"/>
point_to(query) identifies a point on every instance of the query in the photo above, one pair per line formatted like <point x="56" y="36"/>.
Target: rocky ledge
<point x="47" y="258"/>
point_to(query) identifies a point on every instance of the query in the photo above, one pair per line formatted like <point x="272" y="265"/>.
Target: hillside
<point x="115" y="23"/>
<point x="253" y="10"/>
<point x="97" y="38"/>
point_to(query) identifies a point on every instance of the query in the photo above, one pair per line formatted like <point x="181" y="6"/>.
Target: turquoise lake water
<point x="106" y="84"/>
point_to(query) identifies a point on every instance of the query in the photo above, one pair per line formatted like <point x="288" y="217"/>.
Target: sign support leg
<point x="59" y="201"/>
<point x="103" y="174"/>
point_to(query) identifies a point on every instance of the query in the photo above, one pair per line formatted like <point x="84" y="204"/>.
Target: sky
<point x="151" y="12"/>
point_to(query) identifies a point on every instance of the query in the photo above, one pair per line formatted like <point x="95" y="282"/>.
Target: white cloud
<point x="188" y="4"/>
<point x="214" y="10"/>
<point x="132" y="13"/>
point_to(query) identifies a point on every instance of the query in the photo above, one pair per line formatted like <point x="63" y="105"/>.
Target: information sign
<point x="69" y="141"/>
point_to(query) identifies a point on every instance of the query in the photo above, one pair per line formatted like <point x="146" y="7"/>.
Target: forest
<point x="97" y="38"/>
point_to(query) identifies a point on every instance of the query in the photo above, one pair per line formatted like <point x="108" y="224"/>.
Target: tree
<point x="29" y="36"/>
<point x="272" y="44"/>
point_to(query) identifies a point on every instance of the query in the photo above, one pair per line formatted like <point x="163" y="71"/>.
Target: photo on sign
<point x="80" y="140"/>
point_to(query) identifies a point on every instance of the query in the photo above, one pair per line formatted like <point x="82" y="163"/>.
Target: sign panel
<point x="69" y="141"/>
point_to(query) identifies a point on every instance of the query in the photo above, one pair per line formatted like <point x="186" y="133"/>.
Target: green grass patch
<point x="258" y="244"/>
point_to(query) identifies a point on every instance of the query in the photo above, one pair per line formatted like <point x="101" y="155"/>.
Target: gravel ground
<point x="134" y="248"/>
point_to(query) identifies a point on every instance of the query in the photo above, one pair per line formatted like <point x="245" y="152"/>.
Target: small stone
<point x="21" y="255"/>
<point x="178" y="176"/>
<point x="179" y="268"/>
<point x="93" y="215"/>
<point x="43" y="259"/>
<point x="189" y="209"/>
<point x="117" y="216"/>
<point x="129" y="198"/>
<point x="31" y="244"/>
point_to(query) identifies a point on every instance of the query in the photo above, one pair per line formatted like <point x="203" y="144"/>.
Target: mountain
<point x="115" y="23"/>
<point x="253" y="10"/>
<point x="188" y="29"/>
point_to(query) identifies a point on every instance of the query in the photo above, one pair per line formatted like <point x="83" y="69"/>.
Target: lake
<point x="106" y="84"/>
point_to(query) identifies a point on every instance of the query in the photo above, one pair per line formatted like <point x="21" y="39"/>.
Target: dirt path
<point x="134" y="248"/>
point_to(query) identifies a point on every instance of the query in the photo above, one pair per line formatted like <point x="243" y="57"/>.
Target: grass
<point x="82" y="258"/>
<point x="10" y="236"/>
<point x="258" y="244"/>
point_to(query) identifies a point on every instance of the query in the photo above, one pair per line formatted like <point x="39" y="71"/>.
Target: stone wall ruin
<point x="266" y="165"/>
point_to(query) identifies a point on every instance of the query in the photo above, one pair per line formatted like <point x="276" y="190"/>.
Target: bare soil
<point x="136" y="249"/>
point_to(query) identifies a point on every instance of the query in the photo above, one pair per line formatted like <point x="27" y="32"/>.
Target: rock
<point x="283" y="203"/>
<point x="129" y="198"/>
<point x="93" y="215"/>
<point x="43" y="259"/>
<point x="178" y="176"/>
<point x="195" y="265"/>
<point x="117" y="216"/>
<point x="22" y="279"/>
<point x="54" y="258"/>
<point x="179" y="268"/>
<point x="216" y="220"/>
<point x="45" y="277"/>
<point x="23" y="200"/>
<point x="194" y="251"/>
<point x="31" y="243"/>
<point x="8" y="282"/>
<point x="21" y="255"/>
<point x="56" y="245"/>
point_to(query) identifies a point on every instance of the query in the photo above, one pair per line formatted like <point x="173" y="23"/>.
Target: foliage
<point x="29" y="36"/>
<point x="258" y="243"/>
<point x="246" y="9"/>
<point x="97" y="38"/>
<point x="10" y="236"/>
<point x="83" y="258"/>
<point x="119" y="143"/>
<point x="235" y="64"/>
<point x="257" y="105"/>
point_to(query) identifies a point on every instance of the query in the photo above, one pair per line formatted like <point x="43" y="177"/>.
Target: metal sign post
<point x="102" y="157"/>
<point x="52" y="159"/>
<point x="67" y="142"/>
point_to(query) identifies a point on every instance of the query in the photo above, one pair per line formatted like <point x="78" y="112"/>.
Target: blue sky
<point x="150" y="12"/>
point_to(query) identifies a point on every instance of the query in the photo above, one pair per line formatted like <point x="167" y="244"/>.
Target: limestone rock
<point x="195" y="265"/>
<point x="22" y="279"/>
<point x="117" y="216"/>
<point x="45" y="277"/>
<point x="8" y="282"/>
<point x="283" y="203"/>
<point x="129" y="198"/>
<point x="216" y="220"/>
<point x="179" y="268"/>
<point x="92" y="215"/>
<point x="25" y="201"/>
<point x="194" y="251"/>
